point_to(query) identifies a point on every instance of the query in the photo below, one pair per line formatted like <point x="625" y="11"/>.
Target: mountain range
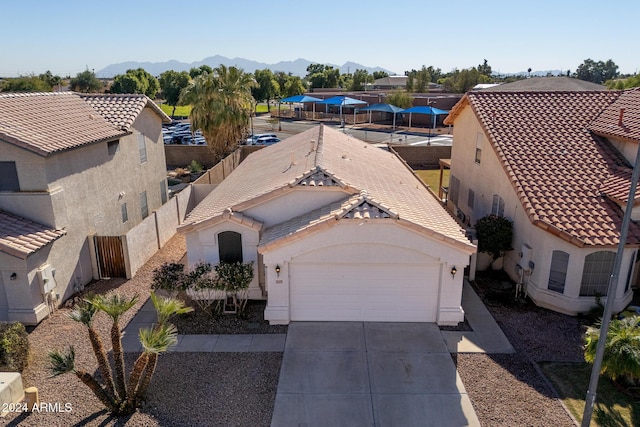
<point x="296" y="68"/>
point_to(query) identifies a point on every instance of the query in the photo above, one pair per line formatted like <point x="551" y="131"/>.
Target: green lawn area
<point x="186" y="109"/>
<point x="181" y="110"/>
<point x="571" y="380"/>
<point x="432" y="178"/>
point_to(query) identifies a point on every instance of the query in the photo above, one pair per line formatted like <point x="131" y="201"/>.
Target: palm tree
<point x="84" y="313"/>
<point x="63" y="363"/>
<point x="221" y="107"/>
<point x="114" y="306"/>
<point x="621" y="358"/>
<point x="154" y="341"/>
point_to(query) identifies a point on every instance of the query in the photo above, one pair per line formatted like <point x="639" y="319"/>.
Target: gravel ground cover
<point x="238" y="389"/>
<point x="507" y="389"/>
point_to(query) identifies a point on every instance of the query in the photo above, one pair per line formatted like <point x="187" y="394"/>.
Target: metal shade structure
<point x="425" y="110"/>
<point x="342" y="100"/>
<point x="385" y="108"/>
<point x="301" y="99"/>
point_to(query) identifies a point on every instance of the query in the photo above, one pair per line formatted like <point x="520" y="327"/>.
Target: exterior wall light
<point x="454" y="270"/>
<point x="13" y="276"/>
<point x="278" y="270"/>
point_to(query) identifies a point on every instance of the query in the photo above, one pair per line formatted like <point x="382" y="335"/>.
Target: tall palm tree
<point x="221" y="107"/>
<point x="114" y="306"/>
<point x="84" y="313"/>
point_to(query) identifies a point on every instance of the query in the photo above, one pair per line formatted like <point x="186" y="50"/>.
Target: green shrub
<point x="494" y="235"/>
<point x="195" y="167"/>
<point x="170" y="277"/>
<point x="14" y="347"/>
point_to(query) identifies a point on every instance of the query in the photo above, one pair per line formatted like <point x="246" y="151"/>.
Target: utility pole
<point x="611" y="296"/>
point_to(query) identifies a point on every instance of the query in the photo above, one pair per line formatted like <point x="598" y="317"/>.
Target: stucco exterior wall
<point x="81" y="190"/>
<point x="298" y="201"/>
<point x="489" y="178"/>
<point x="373" y="238"/>
<point x="202" y="246"/>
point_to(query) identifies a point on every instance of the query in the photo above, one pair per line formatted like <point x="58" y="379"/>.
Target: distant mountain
<point x="297" y="67"/>
<point x="542" y="73"/>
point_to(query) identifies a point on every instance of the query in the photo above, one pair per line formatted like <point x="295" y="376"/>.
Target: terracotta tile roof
<point x="21" y="237"/>
<point x="49" y="122"/>
<point x="557" y="167"/>
<point x="350" y="163"/>
<point x="122" y="110"/>
<point x="620" y="119"/>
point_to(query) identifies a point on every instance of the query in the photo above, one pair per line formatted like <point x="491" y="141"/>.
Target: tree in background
<point x="85" y="82"/>
<point x="196" y="71"/>
<point x="267" y="87"/>
<point x="171" y="85"/>
<point x="418" y="80"/>
<point x="221" y="106"/>
<point x="293" y="86"/>
<point x="359" y="79"/>
<point x="322" y="76"/>
<point x="596" y="72"/>
<point x="400" y="98"/>
<point x="380" y="74"/>
<point x="30" y="83"/>
<point x="628" y="83"/>
<point x="136" y="81"/>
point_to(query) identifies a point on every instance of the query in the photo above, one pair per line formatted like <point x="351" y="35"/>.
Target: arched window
<point x="558" y="271"/>
<point x="230" y="246"/>
<point x="497" y="206"/>
<point x="596" y="273"/>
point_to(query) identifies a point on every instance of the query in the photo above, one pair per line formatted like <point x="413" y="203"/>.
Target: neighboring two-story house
<point x="558" y="164"/>
<point x="71" y="166"/>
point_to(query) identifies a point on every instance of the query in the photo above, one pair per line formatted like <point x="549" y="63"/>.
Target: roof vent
<point x="620" y="117"/>
<point x="313" y="144"/>
<point x="293" y="158"/>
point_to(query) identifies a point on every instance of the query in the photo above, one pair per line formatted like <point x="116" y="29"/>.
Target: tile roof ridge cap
<point x="319" y="148"/>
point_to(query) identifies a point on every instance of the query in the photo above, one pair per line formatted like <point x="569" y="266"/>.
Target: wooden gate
<point x="110" y="256"/>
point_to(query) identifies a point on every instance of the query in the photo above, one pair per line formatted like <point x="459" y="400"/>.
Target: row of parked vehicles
<point x="180" y="133"/>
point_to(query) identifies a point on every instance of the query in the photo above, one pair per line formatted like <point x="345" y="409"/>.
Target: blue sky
<point x="68" y="36"/>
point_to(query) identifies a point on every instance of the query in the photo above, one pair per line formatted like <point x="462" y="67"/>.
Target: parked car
<point x="254" y="138"/>
<point x="267" y="141"/>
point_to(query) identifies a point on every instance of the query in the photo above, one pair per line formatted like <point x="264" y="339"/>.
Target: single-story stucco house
<point x="338" y="230"/>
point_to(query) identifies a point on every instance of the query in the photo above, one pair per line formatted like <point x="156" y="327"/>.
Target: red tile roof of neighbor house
<point x="21" y="237"/>
<point x="567" y="178"/>
<point x="324" y="157"/>
<point x="46" y="123"/>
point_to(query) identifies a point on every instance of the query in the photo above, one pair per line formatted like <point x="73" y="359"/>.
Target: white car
<point x="254" y="138"/>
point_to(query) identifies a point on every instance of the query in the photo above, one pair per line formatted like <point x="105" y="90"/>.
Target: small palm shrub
<point x="621" y="360"/>
<point x="120" y="395"/>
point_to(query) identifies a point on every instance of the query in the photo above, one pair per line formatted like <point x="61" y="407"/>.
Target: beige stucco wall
<point x="488" y="178"/>
<point x="81" y="190"/>
<point x="398" y="245"/>
<point x="298" y="201"/>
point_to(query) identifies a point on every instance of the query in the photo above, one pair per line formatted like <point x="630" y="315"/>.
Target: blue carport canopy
<point x="301" y="98"/>
<point x="342" y="100"/>
<point x="385" y="108"/>
<point x="425" y="110"/>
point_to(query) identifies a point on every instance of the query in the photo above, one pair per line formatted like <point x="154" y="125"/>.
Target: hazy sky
<point x="69" y="36"/>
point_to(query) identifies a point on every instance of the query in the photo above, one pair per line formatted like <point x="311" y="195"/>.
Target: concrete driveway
<point x="369" y="374"/>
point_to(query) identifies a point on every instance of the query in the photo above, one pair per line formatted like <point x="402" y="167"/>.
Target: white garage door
<point x="363" y="292"/>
